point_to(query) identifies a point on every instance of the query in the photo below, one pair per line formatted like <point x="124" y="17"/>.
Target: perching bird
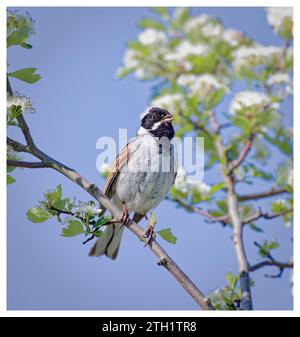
<point x="140" y="178"/>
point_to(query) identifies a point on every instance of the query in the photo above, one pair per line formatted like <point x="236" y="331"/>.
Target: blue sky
<point x="78" y="99"/>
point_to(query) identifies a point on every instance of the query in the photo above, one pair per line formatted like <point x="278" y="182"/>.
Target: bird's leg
<point x="125" y="215"/>
<point x="149" y="231"/>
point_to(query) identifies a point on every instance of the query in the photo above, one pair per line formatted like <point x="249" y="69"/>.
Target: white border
<point x="128" y="3"/>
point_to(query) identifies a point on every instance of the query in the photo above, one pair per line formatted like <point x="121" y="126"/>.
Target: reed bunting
<point x="140" y="178"/>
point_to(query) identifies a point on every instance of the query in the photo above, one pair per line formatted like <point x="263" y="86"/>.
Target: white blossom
<point x="201" y="187"/>
<point x="185" y="49"/>
<point x="130" y="60"/>
<point x="250" y="99"/>
<point x="254" y="56"/>
<point x="281" y="202"/>
<point x="281" y="84"/>
<point x="276" y="16"/>
<point x="152" y="36"/>
<point x="232" y="36"/>
<point x="212" y="29"/>
<point x="196" y="22"/>
<point x="186" y="79"/>
<point x="278" y="78"/>
<point x="142" y="74"/>
<point x="88" y="208"/>
<point x="20" y="101"/>
<point x="181" y="181"/>
<point x="172" y="102"/>
<point x="215" y="296"/>
<point x="201" y="85"/>
<point x="290" y="177"/>
<point x="288" y="132"/>
<point x="261" y="51"/>
<point x="186" y="185"/>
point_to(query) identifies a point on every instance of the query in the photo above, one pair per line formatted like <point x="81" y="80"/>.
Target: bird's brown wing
<point x="119" y="164"/>
<point x="121" y="160"/>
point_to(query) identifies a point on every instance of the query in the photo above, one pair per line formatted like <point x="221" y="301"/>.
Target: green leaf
<point x="266" y="247"/>
<point x="26" y="75"/>
<point x="255" y="228"/>
<point x="53" y="195"/>
<point x="203" y="63"/>
<point x="162" y="11"/>
<point x="10" y="168"/>
<point x="273" y="245"/>
<point x="216" y="187"/>
<point x="74" y="228"/>
<point x="231" y="279"/>
<point x="259" y="173"/>
<point x="21" y="34"/>
<point x="139" y="47"/>
<point x="150" y="23"/>
<point x="26" y="45"/>
<point x="279" y="206"/>
<point x="167" y="235"/>
<point x="60" y="204"/>
<point x="222" y="205"/>
<point x="10" y="179"/>
<point x="153" y="219"/>
<point x="102" y="221"/>
<point x="182" y="15"/>
<point x="38" y="214"/>
<point x="123" y="72"/>
<point x="214" y="98"/>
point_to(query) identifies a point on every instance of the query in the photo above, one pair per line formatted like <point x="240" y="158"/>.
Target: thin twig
<point x="265" y="263"/>
<point x="265" y="215"/>
<point x="198" y="126"/>
<point x="61" y="211"/>
<point x="265" y="194"/>
<point x="238" y="161"/>
<point x="270" y="262"/>
<point x="223" y="218"/>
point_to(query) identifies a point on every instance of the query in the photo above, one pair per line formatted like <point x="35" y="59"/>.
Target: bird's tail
<point x="109" y="242"/>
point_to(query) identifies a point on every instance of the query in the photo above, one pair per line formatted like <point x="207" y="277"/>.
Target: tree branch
<point x="223" y="218"/>
<point x="94" y="191"/>
<point x="238" y="161"/>
<point x="233" y="209"/>
<point x="265" y="263"/>
<point x="21" y="163"/>
<point x="265" y="215"/>
<point x="270" y="262"/>
<point x="16" y="146"/>
<point x="273" y="191"/>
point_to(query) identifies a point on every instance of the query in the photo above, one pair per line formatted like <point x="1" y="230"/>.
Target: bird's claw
<point x="149" y="234"/>
<point x="125" y="216"/>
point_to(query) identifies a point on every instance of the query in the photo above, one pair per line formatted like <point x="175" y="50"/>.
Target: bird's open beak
<point x="168" y="119"/>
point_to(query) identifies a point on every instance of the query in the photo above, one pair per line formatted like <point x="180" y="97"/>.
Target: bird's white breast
<point x="151" y="172"/>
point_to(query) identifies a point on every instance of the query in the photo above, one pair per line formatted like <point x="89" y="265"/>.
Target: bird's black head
<point x="158" y="122"/>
